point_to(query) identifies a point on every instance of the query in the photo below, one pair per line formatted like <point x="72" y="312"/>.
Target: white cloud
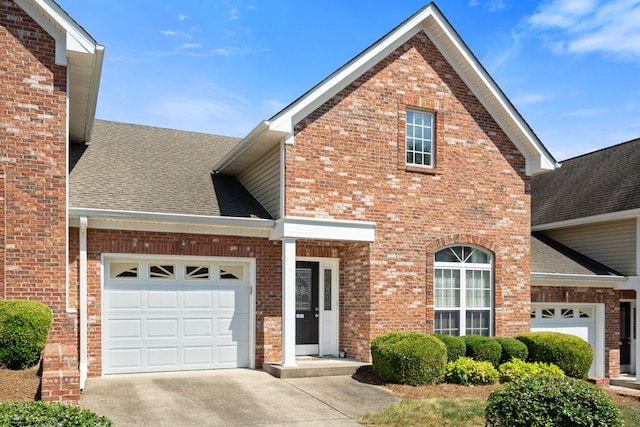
<point x="493" y="5"/>
<point x="189" y="45"/>
<point x="473" y="3"/>
<point x="588" y="26"/>
<point x="530" y="98"/>
<point x="587" y="112"/>
<point x="183" y="17"/>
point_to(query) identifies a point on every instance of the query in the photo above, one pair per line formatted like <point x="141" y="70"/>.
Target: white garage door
<point x="578" y="320"/>
<point x="173" y="314"/>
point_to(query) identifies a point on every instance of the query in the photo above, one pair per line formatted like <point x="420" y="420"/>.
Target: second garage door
<point x="173" y="314"/>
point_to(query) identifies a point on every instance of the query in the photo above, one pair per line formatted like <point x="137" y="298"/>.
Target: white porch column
<point x="288" y="302"/>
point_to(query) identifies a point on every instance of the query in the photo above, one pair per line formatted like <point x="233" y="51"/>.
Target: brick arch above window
<point x="460" y="239"/>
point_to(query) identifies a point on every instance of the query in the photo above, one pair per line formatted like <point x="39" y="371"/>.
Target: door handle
<point x="317" y="315"/>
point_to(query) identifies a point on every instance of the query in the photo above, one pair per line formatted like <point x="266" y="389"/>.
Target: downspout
<point x="83" y="301"/>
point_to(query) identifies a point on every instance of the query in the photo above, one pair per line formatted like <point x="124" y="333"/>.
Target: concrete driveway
<point x="234" y="397"/>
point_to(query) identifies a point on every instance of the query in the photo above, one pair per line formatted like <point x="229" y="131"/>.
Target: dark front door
<point x="307" y="314"/>
<point x="625" y="336"/>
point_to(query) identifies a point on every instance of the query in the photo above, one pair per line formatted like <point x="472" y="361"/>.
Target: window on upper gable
<point x="419" y="138"/>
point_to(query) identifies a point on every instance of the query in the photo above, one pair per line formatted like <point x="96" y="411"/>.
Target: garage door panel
<point x="197" y="300"/>
<point x="125" y="358"/>
<point x="162" y="328"/>
<point x="198" y="328"/>
<point x="162" y="357"/>
<point x="198" y="356"/>
<point x="120" y="329"/>
<point x="124" y="300"/>
<point x="164" y="300"/>
<point x="153" y="325"/>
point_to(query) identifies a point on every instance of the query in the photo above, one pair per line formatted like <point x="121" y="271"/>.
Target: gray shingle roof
<point x="597" y="183"/>
<point x="148" y="169"/>
<point x="550" y="256"/>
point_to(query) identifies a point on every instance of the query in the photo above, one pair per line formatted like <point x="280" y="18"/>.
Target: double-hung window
<point x="419" y="138"/>
<point x="463" y="293"/>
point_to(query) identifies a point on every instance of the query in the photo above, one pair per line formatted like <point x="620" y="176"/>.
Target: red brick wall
<point x="33" y="158"/>
<point x="348" y="163"/>
<point x="611" y="301"/>
<point x="268" y="278"/>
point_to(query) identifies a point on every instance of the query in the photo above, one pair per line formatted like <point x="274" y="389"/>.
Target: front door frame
<point x="328" y="334"/>
<point x="631" y="367"/>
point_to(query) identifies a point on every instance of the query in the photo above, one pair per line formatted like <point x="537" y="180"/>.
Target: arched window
<point x="463" y="291"/>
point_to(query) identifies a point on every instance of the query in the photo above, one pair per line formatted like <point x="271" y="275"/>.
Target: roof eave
<point x="613" y="216"/>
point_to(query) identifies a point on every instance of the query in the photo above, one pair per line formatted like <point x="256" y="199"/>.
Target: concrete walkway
<point x="235" y="397"/>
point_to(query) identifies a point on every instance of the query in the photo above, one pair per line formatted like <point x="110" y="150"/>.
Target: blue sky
<point x="571" y="67"/>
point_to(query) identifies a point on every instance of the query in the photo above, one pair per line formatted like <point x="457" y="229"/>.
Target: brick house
<point x="585" y="254"/>
<point x="394" y="195"/>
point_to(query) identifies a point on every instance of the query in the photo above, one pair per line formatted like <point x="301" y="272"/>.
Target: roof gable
<point x="431" y="21"/>
<point x="603" y="182"/>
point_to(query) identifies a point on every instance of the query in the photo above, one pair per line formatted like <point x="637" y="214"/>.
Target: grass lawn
<point x="450" y="412"/>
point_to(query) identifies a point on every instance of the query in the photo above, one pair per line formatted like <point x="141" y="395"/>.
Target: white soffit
<point x="323" y="229"/>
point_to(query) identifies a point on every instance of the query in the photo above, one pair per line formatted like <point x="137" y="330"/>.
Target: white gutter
<point x="581" y="277"/>
<point x="171" y="218"/>
<point x="84" y="365"/>
<point x="630" y="214"/>
<point x="93" y="91"/>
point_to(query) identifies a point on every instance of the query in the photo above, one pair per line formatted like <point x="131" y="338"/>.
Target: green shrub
<point x="483" y="349"/>
<point x="570" y="353"/>
<point x="550" y="401"/>
<point x="467" y="371"/>
<point x="517" y="368"/>
<point x="41" y="413"/>
<point x="512" y="349"/>
<point x="412" y="358"/>
<point x="24" y="328"/>
<point x="456" y="346"/>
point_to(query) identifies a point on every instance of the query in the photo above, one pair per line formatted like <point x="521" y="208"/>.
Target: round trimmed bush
<point x="43" y="413"/>
<point x="456" y="347"/>
<point x="517" y="368"/>
<point x="512" y="349"/>
<point x="570" y="353"/>
<point x="412" y="358"/>
<point x="550" y="401"/>
<point x="24" y="328"/>
<point x="483" y="349"/>
<point x="467" y="371"/>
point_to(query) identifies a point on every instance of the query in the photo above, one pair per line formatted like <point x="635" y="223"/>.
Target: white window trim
<point x="463" y="267"/>
<point x="432" y="152"/>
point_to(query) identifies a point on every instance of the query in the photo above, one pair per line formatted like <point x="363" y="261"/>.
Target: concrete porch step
<point x="627" y="382"/>
<point x="314" y="367"/>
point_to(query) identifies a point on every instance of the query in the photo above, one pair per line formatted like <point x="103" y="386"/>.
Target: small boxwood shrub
<point x="412" y="358"/>
<point x="467" y="371"/>
<point x="570" y="353"/>
<point x="43" y="413"/>
<point x="512" y="349"/>
<point x="483" y="349"/>
<point x="456" y="347"/>
<point x="24" y="328"/>
<point x="550" y="401"/>
<point x="517" y="368"/>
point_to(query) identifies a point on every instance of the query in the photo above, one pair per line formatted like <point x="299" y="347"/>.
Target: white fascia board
<point x="171" y="223"/>
<point x="632" y="283"/>
<point x="576" y="280"/>
<point x="614" y="216"/>
<point x="538" y="158"/>
<point x="66" y="32"/>
<point x="92" y="101"/>
<point x="323" y="229"/>
<point x="344" y="76"/>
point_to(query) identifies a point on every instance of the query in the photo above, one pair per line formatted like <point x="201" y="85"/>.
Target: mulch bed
<point x="21" y="385"/>
<point x="454" y="391"/>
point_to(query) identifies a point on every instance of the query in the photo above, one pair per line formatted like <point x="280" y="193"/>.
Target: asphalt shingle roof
<point x="597" y="183"/>
<point x="149" y="169"/>
<point x="550" y="256"/>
